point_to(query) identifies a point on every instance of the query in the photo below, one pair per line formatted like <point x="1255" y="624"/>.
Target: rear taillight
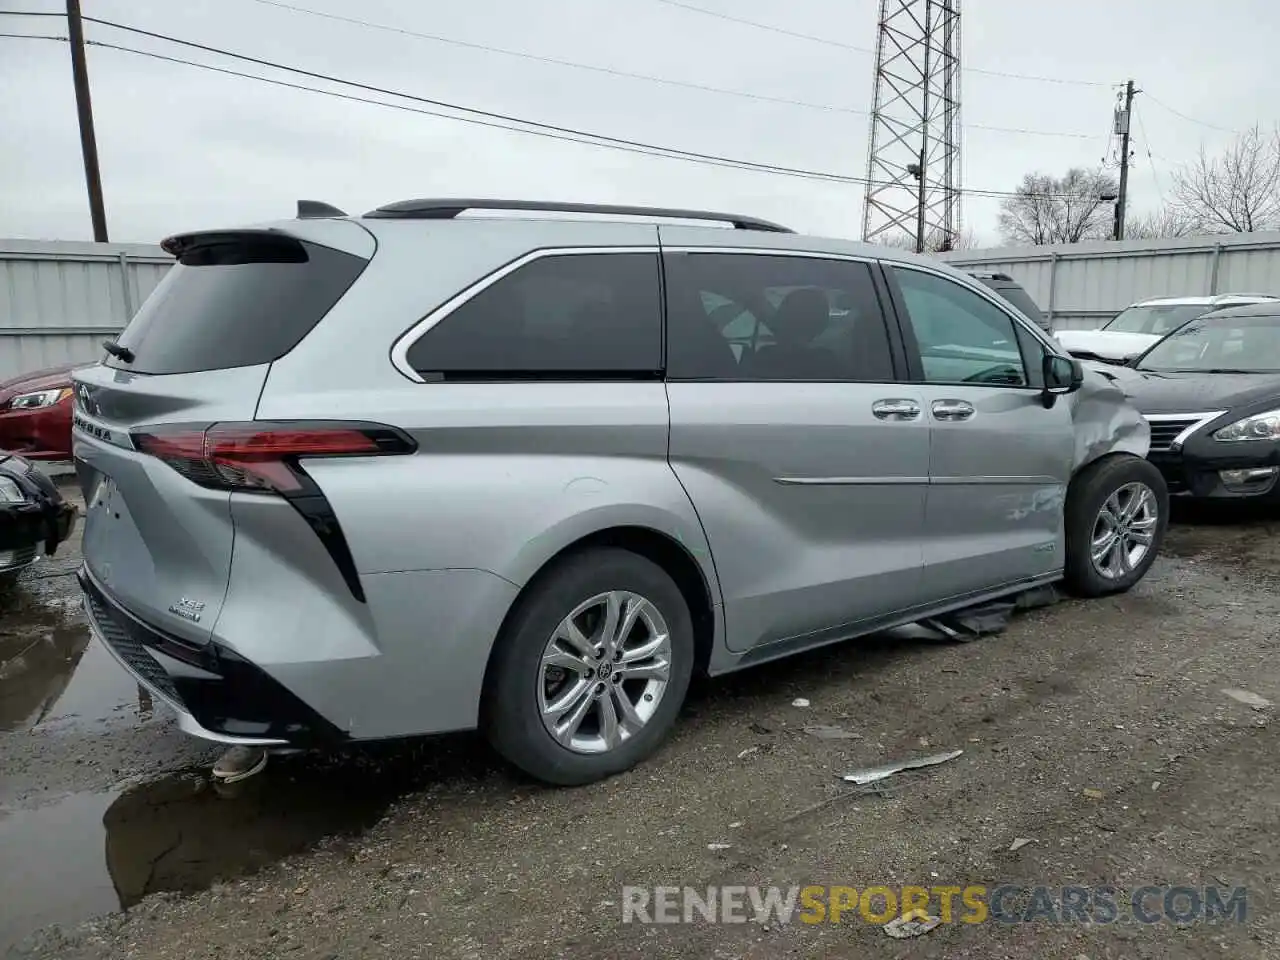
<point x="263" y="456"/>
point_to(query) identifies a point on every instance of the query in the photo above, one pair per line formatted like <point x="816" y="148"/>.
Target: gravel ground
<point x="1099" y="731"/>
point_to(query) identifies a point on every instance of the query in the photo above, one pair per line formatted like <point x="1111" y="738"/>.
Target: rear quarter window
<point x="561" y="316"/>
<point x="235" y="301"/>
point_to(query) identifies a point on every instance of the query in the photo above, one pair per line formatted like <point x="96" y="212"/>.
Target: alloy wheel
<point x="1124" y="530"/>
<point x="604" y="671"/>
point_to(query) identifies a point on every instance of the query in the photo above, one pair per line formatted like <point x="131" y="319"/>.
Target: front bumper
<point x="217" y="694"/>
<point x="31" y="528"/>
<point x="40" y="434"/>
<point x="1213" y="469"/>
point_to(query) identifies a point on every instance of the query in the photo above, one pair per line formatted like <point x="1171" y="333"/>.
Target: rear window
<point x="563" y="316"/>
<point x="235" y="301"/>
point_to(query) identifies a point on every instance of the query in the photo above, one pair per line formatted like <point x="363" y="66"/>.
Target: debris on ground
<point x="748" y="752"/>
<point x="988" y="618"/>
<point x="873" y="774"/>
<point x="1019" y="843"/>
<point x="1092" y="794"/>
<point x="760" y="728"/>
<point x="799" y="702"/>
<point x="825" y="731"/>
<point x="719" y="846"/>
<point x="1248" y="698"/>
<point x="913" y="924"/>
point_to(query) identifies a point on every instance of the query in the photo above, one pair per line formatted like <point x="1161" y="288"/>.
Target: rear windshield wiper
<point x="123" y="354"/>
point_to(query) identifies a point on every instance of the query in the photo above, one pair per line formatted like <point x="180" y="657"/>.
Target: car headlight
<point x="1260" y="426"/>
<point x="10" y="492"/>
<point x="39" y="398"/>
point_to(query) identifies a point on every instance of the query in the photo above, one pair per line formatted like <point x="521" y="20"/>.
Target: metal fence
<point x="1082" y="285"/>
<point x="60" y="299"/>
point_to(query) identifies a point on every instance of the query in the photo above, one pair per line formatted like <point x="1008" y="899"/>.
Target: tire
<point x="519" y="685"/>
<point x="1120" y="477"/>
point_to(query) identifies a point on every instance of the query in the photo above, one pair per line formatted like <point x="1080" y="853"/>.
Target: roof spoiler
<point x="317" y="210"/>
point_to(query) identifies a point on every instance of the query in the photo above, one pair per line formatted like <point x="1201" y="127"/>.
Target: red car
<point x="35" y="414"/>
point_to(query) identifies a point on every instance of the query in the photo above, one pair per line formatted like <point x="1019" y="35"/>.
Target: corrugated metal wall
<point x="1082" y="285"/>
<point x="59" y="299"/>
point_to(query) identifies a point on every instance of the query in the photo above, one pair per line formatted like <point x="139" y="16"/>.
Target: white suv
<point x="1135" y="329"/>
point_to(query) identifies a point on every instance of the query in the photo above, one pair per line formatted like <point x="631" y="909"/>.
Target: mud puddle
<point x="88" y="854"/>
<point x="100" y="804"/>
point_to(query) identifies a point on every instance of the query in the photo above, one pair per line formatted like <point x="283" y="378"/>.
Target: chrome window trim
<point x="771" y="252"/>
<point x="400" y="348"/>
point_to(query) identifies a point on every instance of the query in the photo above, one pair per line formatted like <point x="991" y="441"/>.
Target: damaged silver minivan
<point x="424" y="470"/>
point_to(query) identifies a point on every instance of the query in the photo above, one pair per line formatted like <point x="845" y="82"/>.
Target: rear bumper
<point x="216" y="693"/>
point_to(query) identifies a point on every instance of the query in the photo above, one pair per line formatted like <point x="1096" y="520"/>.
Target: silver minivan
<point x="433" y="469"/>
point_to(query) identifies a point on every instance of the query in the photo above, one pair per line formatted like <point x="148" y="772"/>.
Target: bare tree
<point x="1068" y="209"/>
<point x="1162" y="224"/>
<point x="1235" y="192"/>
<point x="935" y="241"/>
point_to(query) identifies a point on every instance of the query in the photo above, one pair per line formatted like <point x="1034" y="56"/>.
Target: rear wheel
<point x="1116" y="514"/>
<point x="591" y="669"/>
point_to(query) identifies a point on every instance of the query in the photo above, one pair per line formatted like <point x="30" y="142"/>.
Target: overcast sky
<point x="184" y="148"/>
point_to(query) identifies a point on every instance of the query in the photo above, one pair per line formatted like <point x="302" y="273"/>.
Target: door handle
<point x="952" y="410"/>
<point x="896" y="409"/>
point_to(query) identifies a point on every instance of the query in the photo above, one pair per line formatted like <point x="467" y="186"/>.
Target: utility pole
<point x="84" y="108"/>
<point x="1123" y="122"/>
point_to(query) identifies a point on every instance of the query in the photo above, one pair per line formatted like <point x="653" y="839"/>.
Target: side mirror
<point x="1061" y="375"/>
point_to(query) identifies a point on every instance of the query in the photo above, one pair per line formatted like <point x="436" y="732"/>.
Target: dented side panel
<point x="1105" y="422"/>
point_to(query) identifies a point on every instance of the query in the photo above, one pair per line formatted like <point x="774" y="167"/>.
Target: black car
<point x="1211" y="392"/>
<point x="1013" y="292"/>
<point x="34" y="518"/>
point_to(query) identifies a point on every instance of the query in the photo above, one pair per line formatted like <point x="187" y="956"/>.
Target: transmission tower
<point x="913" y="158"/>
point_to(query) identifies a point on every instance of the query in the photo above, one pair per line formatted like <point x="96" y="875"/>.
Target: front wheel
<point x="1116" y="514"/>
<point x="591" y="669"/>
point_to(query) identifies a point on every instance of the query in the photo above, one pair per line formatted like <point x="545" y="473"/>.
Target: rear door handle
<point x="952" y="410"/>
<point x="896" y="409"/>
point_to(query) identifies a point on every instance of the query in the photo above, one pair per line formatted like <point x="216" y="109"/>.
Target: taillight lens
<point x="263" y="456"/>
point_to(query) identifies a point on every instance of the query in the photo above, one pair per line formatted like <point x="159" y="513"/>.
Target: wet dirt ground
<point x="1098" y="731"/>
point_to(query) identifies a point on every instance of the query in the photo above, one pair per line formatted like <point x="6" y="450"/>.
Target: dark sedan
<point x="34" y="518"/>
<point x="1211" y="392"/>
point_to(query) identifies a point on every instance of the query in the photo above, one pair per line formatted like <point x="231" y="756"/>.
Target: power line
<point x="611" y="71"/>
<point x="1180" y="114"/>
<point x="495" y="121"/>
<point x="848" y="46"/>
<point x="1146" y="145"/>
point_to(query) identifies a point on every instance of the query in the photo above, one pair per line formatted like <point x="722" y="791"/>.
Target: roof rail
<point x="448" y="209"/>
<point x="316" y="210"/>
